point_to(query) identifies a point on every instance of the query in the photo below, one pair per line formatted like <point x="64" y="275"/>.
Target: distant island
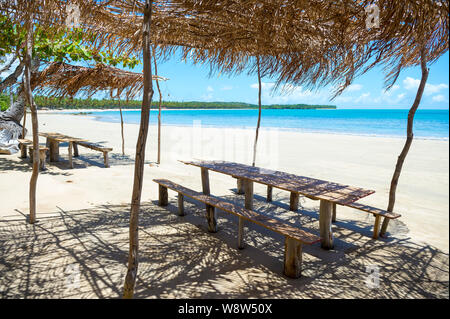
<point x="67" y="103"/>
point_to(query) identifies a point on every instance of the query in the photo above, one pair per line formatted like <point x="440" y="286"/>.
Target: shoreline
<point x="263" y="128"/>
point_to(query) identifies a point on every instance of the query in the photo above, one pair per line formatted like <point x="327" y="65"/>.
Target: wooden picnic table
<point x="53" y="140"/>
<point x="328" y="193"/>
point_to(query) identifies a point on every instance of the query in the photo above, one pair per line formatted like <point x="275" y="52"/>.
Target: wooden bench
<point x="23" y="144"/>
<point x="93" y="146"/>
<point x="376" y="212"/>
<point x="294" y="237"/>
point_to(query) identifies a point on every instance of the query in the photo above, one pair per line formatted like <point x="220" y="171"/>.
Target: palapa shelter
<point x="308" y="43"/>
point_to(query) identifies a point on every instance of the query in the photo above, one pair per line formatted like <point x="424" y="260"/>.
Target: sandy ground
<point x="83" y="215"/>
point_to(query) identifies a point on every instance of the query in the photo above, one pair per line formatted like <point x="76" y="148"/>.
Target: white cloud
<point x="431" y="89"/>
<point x="209" y="89"/>
<point x="389" y="92"/>
<point x="363" y="98"/>
<point x="227" y="88"/>
<point x="264" y="85"/>
<point x="289" y="93"/>
<point x="354" y="87"/>
<point x="401" y="96"/>
<point x="438" y="98"/>
<point x="207" y="97"/>
<point x="412" y="84"/>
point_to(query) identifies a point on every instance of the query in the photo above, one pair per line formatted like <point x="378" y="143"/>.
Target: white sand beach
<point x="83" y="216"/>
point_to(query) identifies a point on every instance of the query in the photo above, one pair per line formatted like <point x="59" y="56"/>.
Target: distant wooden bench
<point x="376" y="212"/>
<point x="25" y="144"/>
<point x="294" y="237"/>
<point x="96" y="147"/>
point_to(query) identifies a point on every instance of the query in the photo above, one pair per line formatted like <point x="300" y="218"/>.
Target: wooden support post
<point x="292" y="258"/>
<point x="205" y="181"/>
<point x="163" y="196"/>
<point x="106" y="159"/>
<point x="376" y="227"/>
<point x="269" y="193"/>
<point x="326" y="233"/>
<point x="240" y="186"/>
<point x="293" y="206"/>
<point x="211" y="217"/>
<point x="248" y="187"/>
<point x="241" y="233"/>
<point x="70" y="154"/>
<point x="333" y="219"/>
<point x="75" y="150"/>
<point x="180" y="204"/>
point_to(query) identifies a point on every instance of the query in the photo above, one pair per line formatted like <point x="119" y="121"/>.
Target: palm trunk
<point x="34" y="121"/>
<point x="259" y="113"/>
<point x="121" y="128"/>
<point x="409" y="139"/>
<point x="158" y="161"/>
<point x="130" y="279"/>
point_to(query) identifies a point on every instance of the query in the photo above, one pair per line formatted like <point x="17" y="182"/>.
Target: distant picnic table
<point x="53" y="140"/>
<point x="328" y="193"/>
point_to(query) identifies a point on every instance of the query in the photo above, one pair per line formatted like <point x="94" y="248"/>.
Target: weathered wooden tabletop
<point x="310" y="187"/>
<point x="61" y="137"/>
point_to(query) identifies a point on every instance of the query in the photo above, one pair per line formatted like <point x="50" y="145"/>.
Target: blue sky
<point x="189" y="82"/>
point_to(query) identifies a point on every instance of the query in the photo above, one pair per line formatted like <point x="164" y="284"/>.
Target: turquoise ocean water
<point x="431" y="124"/>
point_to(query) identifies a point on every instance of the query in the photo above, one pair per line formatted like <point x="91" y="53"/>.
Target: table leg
<point x="42" y="157"/>
<point x="70" y="154"/>
<point x="205" y="181"/>
<point x="210" y="210"/>
<point x="333" y="219"/>
<point x="269" y="193"/>
<point x="75" y="150"/>
<point x="23" y="151"/>
<point x="241" y="233"/>
<point x="240" y="187"/>
<point x="293" y="204"/>
<point x="248" y="188"/>
<point x="292" y="258"/>
<point x="54" y="149"/>
<point x="326" y="233"/>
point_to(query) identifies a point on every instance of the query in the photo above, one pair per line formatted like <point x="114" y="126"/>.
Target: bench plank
<point x="374" y="210"/>
<point x="94" y="146"/>
<point x="247" y="214"/>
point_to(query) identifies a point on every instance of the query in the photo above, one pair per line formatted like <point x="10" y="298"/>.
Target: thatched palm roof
<point x="301" y="42"/>
<point x="62" y="79"/>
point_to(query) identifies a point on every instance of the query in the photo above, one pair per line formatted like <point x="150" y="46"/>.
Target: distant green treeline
<point x="66" y="103"/>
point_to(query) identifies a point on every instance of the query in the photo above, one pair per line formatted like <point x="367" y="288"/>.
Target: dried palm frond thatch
<point x="61" y="79"/>
<point x="309" y="43"/>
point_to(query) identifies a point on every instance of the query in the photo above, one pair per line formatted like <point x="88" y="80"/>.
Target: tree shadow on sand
<point x="84" y="254"/>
